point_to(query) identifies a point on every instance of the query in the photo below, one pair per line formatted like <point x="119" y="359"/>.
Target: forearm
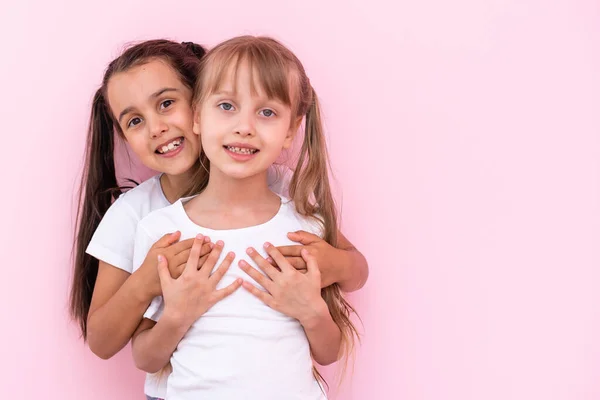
<point x="153" y="347"/>
<point x="112" y="325"/>
<point x="324" y="337"/>
<point x="352" y="271"/>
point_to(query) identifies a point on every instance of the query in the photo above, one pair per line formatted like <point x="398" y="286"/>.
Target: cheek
<point x="138" y="145"/>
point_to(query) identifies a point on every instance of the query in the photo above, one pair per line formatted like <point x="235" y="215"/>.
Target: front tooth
<point x="171" y="146"/>
<point x="165" y="149"/>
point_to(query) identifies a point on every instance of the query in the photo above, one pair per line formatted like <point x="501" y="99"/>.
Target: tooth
<point x="165" y="149"/>
<point x="171" y="146"/>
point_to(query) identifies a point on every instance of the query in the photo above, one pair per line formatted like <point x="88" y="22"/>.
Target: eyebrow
<point x="153" y="95"/>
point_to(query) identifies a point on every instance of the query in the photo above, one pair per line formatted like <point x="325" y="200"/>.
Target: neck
<point x="174" y="185"/>
<point x="225" y="192"/>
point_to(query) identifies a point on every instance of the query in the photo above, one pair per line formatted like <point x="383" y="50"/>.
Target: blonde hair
<point x="282" y="76"/>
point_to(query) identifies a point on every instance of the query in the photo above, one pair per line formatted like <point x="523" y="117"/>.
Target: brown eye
<point x="166" y="104"/>
<point x="134" y="121"/>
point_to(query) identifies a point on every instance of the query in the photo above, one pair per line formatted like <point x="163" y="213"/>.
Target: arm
<point x="344" y="264"/>
<point x="186" y="298"/>
<point x="153" y="343"/>
<point x="324" y="336"/>
<point x="297" y="295"/>
<point x="118" y="303"/>
<point x="120" y="299"/>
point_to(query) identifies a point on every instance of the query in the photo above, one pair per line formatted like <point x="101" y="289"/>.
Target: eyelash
<point x="160" y="106"/>
<point x="273" y="113"/>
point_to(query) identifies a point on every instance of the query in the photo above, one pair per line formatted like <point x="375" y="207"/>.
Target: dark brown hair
<point x="99" y="187"/>
<point x="281" y="75"/>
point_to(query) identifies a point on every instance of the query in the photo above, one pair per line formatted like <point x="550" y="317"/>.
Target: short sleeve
<point x="143" y="244"/>
<point x="112" y="241"/>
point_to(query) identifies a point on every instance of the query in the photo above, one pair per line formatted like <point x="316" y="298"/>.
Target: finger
<point x="206" y="249"/>
<point x="167" y="240"/>
<point x="296" y="262"/>
<point x="290" y="251"/>
<point x="178" y="270"/>
<point x="202" y="260"/>
<point x="192" y="262"/>
<point x="180" y="258"/>
<point x="218" y="274"/>
<point x="163" y="272"/>
<point x="227" y="290"/>
<point x="263" y="264"/>
<point x="257" y="276"/>
<point x="212" y="259"/>
<point x="263" y="296"/>
<point x="182" y="246"/>
<point x="311" y="263"/>
<point x="283" y="264"/>
<point x="303" y="237"/>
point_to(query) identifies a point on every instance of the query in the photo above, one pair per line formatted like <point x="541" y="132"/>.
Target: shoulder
<point x="311" y="224"/>
<point x="145" y="193"/>
<point x="161" y="220"/>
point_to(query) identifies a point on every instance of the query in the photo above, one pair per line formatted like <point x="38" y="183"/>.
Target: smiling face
<point x="243" y="130"/>
<point x="153" y="109"/>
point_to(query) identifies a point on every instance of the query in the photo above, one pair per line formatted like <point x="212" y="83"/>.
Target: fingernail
<point x="199" y="236"/>
<point x="269" y="259"/>
<point x="220" y="242"/>
<point x="249" y="250"/>
<point x="212" y="246"/>
<point x="160" y="258"/>
<point x="206" y="239"/>
<point x="267" y="245"/>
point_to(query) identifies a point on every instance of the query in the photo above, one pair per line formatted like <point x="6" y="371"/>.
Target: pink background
<point x="466" y="138"/>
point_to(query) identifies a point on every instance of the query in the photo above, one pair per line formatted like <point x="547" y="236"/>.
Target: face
<point x="243" y="132"/>
<point x="153" y="109"/>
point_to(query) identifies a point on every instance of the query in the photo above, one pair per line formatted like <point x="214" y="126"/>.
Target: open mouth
<point x="241" y="150"/>
<point x="169" y="147"/>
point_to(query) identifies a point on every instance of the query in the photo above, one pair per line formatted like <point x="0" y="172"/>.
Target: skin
<point x="154" y="107"/>
<point x="238" y="196"/>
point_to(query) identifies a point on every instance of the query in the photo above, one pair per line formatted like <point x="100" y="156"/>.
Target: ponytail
<point x="97" y="191"/>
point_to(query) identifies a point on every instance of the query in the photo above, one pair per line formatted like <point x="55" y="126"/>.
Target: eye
<point x="268" y="113"/>
<point x="133" y="122"/>
<point x="166" y="104"/>
<point x="226" y="106"/>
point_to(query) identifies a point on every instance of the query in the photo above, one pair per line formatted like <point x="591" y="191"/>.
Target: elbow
<point x="146" y="366"/>
<point x="329" y="357"/>
<point x="361" y="273"/>
<point x="98" y="346"/>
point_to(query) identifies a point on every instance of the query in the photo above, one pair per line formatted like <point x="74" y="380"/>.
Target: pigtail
<point x="311" y="192"/>
<point x="97" y="191"/>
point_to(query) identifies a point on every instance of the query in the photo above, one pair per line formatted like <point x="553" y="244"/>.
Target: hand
<point x="289" y="291"/>
<point x="176" y="255"/>
<point x="193" y="293"/>
<point x="328" y="258"/>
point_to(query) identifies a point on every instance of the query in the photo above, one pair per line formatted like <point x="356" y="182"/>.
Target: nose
<point x="245" y="124"/>
<point x="156" y="126"/>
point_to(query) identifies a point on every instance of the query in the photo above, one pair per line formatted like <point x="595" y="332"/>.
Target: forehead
<point x="250" y="77"/>
<point x="137" y="84"/>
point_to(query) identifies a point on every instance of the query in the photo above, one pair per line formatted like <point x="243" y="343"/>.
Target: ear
<point x="289" y="139"/>
<point x="196" y="126"/>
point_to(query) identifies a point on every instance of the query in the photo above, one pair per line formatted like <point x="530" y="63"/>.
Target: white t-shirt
<point x="240" y="348"/>
<point x="113" y="240"/>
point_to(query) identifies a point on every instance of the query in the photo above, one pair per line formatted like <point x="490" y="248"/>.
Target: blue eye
<point x="134" y="121"/>
<point x="268" y="113"/>
<point x="226" y="106"/>
<point x="166" y="104"/>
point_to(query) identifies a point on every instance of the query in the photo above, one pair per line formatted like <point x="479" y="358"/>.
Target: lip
<point x="171" y="153"/>
<point x="238" y="156"/>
